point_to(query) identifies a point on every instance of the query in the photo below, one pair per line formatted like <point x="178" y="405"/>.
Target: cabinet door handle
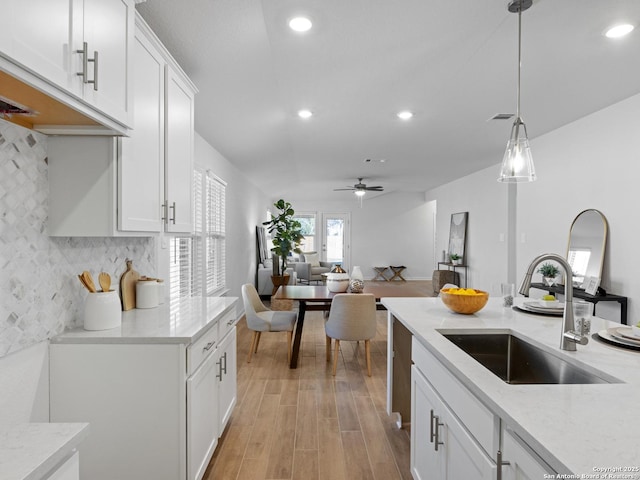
<point x="437" y="429"/>
<point x="499" y="464"/>
<point x="164" y="212"/>
<point x="85" y="60"/>
<point x="432" y="434"/>
<point x="219" y="374"/>
<point x="173" y="207"/>
<point x="225" y="363"/>
<point x="95" y="70"/>
<point x="208" y="346"/>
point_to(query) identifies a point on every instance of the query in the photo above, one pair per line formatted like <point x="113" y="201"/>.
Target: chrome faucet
<point x="569" y="337"/>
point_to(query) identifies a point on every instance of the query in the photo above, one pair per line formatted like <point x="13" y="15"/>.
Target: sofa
<point x="309" y="268"/>
<point x="265" y="285"/>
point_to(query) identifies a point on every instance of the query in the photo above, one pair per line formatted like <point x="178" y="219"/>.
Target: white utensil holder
<point x="102" y="311"/>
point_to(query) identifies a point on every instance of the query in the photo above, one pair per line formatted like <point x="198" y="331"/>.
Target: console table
<point x="451" y="266"/>
<point x="595" y="299"/>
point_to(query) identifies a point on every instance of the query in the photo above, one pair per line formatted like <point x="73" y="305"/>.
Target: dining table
<point x="319" y="297"/>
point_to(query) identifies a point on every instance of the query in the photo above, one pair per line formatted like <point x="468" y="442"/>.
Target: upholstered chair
<point x="261" y="319"/>
<point x="352" y="317"/>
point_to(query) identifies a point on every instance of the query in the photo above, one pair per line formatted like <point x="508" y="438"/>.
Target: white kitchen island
<point x="590" y="429"/>
<point x="157" y="391"/>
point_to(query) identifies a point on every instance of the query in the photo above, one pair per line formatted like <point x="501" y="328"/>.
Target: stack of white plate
<point x="620" y="335"/>
<point x="536" y="307"/>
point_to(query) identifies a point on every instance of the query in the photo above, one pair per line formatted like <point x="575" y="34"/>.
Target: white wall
<point x="390" y="229"/>
<point x="246" y="205"/>
<point x="486" y="245"/>
<point x="591" y="163"/>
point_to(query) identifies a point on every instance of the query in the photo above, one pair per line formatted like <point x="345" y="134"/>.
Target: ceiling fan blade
<point x="342" y="189"/>
<point x="377" y="188"/>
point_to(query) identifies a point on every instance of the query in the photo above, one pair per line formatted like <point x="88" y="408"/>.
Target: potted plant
<point x="455" y="258"/>
<point x="549" y="273"/>
<point x="286" y="235"/>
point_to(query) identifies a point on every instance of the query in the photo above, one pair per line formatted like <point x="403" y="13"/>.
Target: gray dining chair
<point x="261" y="319"/>
<point x="352" y="317"/>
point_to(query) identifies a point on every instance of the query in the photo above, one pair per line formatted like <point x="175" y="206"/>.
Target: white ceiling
<point x="452" y="62"/>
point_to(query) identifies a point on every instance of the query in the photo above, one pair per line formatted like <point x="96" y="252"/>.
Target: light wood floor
<point x="305" y="423"/>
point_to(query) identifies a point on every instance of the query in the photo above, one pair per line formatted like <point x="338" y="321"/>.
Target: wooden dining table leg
<point x="298" y="335"/>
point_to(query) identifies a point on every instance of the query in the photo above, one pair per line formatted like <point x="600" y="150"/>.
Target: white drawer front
<point x="477" y="418"/>
<point x="198" y="350"/>
<point x="226" y="323"/>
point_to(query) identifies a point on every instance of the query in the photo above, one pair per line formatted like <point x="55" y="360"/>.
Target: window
<point x="308" y="223"/>
<point x="197" y="261"/>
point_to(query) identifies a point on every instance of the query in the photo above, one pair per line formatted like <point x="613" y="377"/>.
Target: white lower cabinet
<point x="441" y="447"/>
<point x="155" y="410"/>
<point x="455" y="436"/>
<point x="520" y="462"/>
<point x="227" y="377"/>
<point x="69" y="470"/>
<point x="202" y="426"/>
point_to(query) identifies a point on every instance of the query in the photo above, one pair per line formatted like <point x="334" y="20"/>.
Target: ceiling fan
<point x="361" y="188"/>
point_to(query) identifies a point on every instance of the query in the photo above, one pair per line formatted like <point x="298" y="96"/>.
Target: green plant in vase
<point x="286" y="234"/>
<point x="455" y="258"/>
<point x="549" y="273"/>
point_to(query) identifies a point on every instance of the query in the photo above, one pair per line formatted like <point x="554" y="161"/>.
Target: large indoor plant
<point x="286" y="235"/>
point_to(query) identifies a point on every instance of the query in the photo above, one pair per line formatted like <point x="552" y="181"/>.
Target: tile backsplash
<point x="40" y="294"/>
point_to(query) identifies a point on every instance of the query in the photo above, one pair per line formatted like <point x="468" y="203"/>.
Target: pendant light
<point x="517" y="164"/>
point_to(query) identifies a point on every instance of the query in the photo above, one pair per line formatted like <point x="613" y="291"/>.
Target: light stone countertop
<point x="575" y="428"/>
<point x="183" y="322"/>
<point x="30" y="450"/>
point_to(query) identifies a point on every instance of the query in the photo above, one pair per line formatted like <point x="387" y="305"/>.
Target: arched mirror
<point x="587" y="243"/>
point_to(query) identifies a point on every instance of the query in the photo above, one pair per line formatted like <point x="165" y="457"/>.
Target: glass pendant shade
<point x="517" y="163"/>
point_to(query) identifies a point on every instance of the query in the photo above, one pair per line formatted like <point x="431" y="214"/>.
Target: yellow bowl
<point x="461" y="303"/>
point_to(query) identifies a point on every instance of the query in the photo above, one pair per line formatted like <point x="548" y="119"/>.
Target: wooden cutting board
<point x="128" y="287"/>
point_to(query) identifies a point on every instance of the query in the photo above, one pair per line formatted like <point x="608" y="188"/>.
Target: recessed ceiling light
<point x="619" y="30"/>
<point x="305" y="113"/>
<point x="300" y="24"/>
<point x="405" y="115"/>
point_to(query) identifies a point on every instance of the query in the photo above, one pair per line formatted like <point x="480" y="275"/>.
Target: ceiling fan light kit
<point x="517" y="163"/>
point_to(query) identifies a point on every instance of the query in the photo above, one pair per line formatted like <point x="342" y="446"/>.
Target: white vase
<point x="356" y="284"/>
<point x="338" y="282"/>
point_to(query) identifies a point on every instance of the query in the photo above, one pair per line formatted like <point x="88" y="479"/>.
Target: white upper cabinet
<point x="156" y="165"/>
<point x="179" y="153"/>
<point x="42" y="42"/>
<point x="141" y="165"/>
<point x="48" y="38"/>
<point x="107" y="30"/>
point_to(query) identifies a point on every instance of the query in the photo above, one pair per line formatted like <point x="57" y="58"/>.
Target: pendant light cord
<point x="519" y="58"/>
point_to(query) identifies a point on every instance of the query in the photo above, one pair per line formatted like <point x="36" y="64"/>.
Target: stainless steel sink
<point x="517" y="361"/>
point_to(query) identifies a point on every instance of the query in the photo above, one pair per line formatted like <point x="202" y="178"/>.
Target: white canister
<point x="102" y="311"/>
<point x="161" y="292"/>
<point x="147" y="293"/>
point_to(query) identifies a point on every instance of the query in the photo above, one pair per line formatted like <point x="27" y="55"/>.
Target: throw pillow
<point x="312" y="258"/>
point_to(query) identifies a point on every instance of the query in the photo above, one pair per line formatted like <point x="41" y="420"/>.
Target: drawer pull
<point x="224" y="369"/>
<point x="437" y="429"/>
<point x="230" y="322"/>
<point x="219" y="374"/>
<point x="208" y="346"/>
<point x="432" y="434"/>
<point x="499" y="464"/>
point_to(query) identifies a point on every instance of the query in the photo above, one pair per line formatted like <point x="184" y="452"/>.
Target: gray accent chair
<point x="352" y="317"/>
<point x="306" y="272"/>
<point x="265" y="285"/>
<point x="261" y="319"/>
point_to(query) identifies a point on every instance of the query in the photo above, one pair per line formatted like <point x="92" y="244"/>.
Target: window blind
<point x="197" y="261"/>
